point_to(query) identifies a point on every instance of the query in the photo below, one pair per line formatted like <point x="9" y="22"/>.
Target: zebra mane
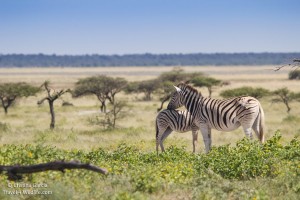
<point x="189" y="88"/>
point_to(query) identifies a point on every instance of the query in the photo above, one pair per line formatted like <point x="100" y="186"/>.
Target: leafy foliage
<point x="169" y="79"/>
<point x="139" y="173"/>
<point x="177" y="75"/>
<point x="208" y="82"/>
<point x="17" y="89"/>
<point x="104" y="87"/>
<point x="147" y="87"/>
<point x="245" y="91"/>
<point x="294" y="75"/>
<point x="285" y="96"/>
<point x="9" y="92"/>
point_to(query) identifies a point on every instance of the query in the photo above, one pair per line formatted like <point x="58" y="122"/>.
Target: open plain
<point x="26" y="117"/>
<point x="28" y="124"/>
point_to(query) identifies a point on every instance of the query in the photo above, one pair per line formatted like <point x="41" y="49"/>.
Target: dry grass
<point x="29" y="123"/>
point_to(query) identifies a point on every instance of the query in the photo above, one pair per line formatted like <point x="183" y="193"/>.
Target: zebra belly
<point x="229" y="127"/>
<point x="182" y="130"/>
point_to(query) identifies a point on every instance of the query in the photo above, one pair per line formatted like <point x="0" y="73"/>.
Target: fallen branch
<point x="13" y="172"/>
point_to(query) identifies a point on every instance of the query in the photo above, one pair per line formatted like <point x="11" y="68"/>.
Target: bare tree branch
<point x="296" y="64"/>
<point x="51" y="97"/>
<point x="42" y="101"/>
<point x="13" y="172"/>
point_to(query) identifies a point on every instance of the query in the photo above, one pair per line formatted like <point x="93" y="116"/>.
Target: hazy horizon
<point x="115" y="27"/>
<point x="128" y="54"/>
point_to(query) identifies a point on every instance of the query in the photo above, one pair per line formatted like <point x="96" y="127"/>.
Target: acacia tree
<point x="103" y="87"/>
<point x="147" y="87"/>
<point x="176" y="76"/>
<point x="51" y="96"/>
<point x="285" y="96"/>
<point x="9" y="92"/>
<point x="114" y="86"/>
<point x="257" y="93"/>
<point x="168" y="79"/>
<point x="92" y="86"/>
<point x="208" y="82"/>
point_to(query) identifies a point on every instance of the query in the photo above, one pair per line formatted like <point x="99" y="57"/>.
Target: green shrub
<point x="295" y="74"/>
<point x="137" y="174"/>
<point x="245" y="91"/>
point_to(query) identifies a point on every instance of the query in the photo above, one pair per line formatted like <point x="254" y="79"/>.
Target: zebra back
<point x="177" y="120"/>
<point x="220" y="114"/>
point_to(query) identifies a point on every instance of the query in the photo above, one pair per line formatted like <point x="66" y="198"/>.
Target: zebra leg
<point x="158" y="137"/>
<point x="159" y="131"/>
<point x="167" y="132"/>
<point x="206" y="134"/>
<point x="248" y="122"/>
<point x="195" y="139"/>
<point x="157" y="142"/>
<point x="248" y="131"/>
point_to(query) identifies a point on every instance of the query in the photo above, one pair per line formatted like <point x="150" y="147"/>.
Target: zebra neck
<point x="193" y="103"/>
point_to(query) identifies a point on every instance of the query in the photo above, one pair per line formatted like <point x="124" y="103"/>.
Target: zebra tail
<point x="261" y="124"/>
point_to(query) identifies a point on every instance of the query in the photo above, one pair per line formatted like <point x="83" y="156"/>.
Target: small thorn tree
<point x="208" y="82"/>
<point x="9" y="92"/>
<point x="285" y="96"/>
<point x="173" y="77"/>
<point x="148" y="87"/>
<point x="257" y="93"/>
<point x="103" y="87"/>
<point x="52" y="96"/>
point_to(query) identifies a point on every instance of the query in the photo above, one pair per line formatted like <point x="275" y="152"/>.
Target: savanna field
<point x="236" y="168"/>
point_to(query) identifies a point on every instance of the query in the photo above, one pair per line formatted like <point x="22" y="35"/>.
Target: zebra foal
<point x="174" y="120"/>
<point x="223" y="115"/>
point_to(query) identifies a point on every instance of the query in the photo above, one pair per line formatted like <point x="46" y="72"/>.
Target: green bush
<point x="295" y="74"/>
<point x="245" y="91"/>
<point x="134" y="173"/>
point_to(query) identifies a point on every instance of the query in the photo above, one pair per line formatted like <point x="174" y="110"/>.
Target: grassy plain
<point x="27" y="123"/>
<point x="26" y="120"/>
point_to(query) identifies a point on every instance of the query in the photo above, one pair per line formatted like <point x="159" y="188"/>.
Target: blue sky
<point x="148" y="26"/>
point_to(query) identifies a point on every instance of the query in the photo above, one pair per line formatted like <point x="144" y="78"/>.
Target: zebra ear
<point x="177" y="88"/>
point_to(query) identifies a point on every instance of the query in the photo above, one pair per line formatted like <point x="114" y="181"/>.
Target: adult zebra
<point x="174" y="120"/>
<point x="223" y="115"/>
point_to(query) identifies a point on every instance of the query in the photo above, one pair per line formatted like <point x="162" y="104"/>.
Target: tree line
<point x="95" y="60"/>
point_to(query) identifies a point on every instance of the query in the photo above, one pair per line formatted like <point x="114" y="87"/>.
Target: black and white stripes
<point x="223" y="115"/>
<point x="174" y="120"/>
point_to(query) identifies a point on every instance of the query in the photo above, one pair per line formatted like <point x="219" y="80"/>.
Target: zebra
<point x="223" y="115"/>
<point x="174" y="120"/>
